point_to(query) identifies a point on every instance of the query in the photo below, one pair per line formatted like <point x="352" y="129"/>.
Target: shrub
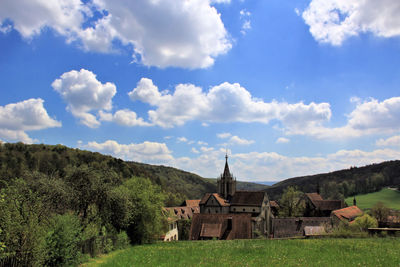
<point x="122" y="240"/>
<point x="62" y="241"/>
<point x="364" y="222"/>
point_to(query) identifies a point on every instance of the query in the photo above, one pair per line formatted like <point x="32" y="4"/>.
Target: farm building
<point x="316" y="206"/>
<point x="346" y="214"/>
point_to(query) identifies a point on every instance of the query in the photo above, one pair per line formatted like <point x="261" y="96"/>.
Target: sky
<point x="286" y="88"/>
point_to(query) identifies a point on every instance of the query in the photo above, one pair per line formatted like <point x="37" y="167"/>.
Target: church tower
<point x="226" y="184"/>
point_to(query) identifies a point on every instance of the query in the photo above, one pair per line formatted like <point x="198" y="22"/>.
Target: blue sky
<point x="288" y="88"/>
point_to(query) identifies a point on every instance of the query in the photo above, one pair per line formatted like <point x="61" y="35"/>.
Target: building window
<point x="234" y="209"/>
<point x="244" y="209"/>
<point x="208" y="210"/>
<point x="254" y="210"/>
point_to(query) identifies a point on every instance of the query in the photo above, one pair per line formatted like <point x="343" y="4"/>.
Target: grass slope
<point x="300" y="252"/>
<point x="390" y="198"/>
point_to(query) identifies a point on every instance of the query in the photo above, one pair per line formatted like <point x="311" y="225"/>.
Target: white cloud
<point x="182" y="139"/>
<point x="28" y="115"/>
<point x="30" y="17"/>
<point x="161" y="33"/>
<point x="224" y="135"/>
<point x="369" y="117"/>
<point x="83" y="94"/>
<point x="124" y="117"/>
<point x="202" y="143"/>
<point x="236" y="140"/>
<point x="245" y="16"/>
<point x="333" y="21"/>
<point x="220" y="1"/>
<point x="149" y="152"/>
<point x="282" y="140"/>
<point x="251" y="166"/>
<point x="393" y="141"/>
<point x="223" y="103"/>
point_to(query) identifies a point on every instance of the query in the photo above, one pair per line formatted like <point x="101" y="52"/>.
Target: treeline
<point x="344" y="183"/>
<point x="54" y="160"/>
<point x="59" y="205"/>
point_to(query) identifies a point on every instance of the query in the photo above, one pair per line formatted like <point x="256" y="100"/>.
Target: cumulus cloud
<point x="245" y="17"/>
<point x="369" y="117"/>
<point x="282" y="140"/>
<point x="28" y="115"/>
<point x="333" y="21"/>
<point x="149" y="152"/>
<point x="83" y="94"/>
<point x="123" y="117"/>
<point x="163" y="33"/>
<point x="224" y="135"/>
<point x="220" y="1"/>
<point x="222" y="103"/>
<point x="393" y="141"/>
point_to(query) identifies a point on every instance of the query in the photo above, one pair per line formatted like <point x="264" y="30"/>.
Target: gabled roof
<point x="321" y="204"/>
<point x="220" y="200"/>
<point x="247" y="198"/>
<point x="180" y="213"/>
<point x="314" y="196"/>
<point x="349" y="213"/>
<point x="191" y="202"/>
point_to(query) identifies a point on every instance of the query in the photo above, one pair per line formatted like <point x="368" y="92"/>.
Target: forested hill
<point x="344" y="183"/>
<point x="23" y="161"/>
<point x="27" y="161"/>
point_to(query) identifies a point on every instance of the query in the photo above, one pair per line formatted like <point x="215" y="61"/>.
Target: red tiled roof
<point x="182" y="212"/>
<point x="192" y="202"/>
<point x="349" y="213"/>
<point x="221" y="201"/>
<point x="247" y="198"/>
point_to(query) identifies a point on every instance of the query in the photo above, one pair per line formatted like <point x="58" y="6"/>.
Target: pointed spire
<point x="227" y="173"/>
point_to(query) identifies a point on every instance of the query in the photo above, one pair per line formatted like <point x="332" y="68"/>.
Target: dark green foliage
<point x="344" y="183"/>
<point x="184" y="229"/>
<point x="62" y="240"/>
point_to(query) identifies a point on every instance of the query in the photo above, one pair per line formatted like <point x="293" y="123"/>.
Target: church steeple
<point x="226" y="184"/>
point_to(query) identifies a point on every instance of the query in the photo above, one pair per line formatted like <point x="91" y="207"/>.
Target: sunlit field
<point x="300" y="252"/>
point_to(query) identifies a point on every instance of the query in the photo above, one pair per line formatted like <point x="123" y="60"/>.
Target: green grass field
<point x="390" y="198"/>
<point x="297" y="252"/>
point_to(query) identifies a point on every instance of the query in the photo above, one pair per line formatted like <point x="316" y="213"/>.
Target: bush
<point x="62" y="241"/>
<point x="364" y="222"/>
<point x="122" y="240"/>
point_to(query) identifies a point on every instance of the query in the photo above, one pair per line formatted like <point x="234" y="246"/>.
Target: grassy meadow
<point x="295" y="252"/>
<point x="391" y="199"/>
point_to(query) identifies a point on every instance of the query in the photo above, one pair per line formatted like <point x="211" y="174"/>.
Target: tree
<point x="364" y="222"/>
<point x="289" y="202"/>
<point x="380" y="212"/>
<point x="140" y="209"/>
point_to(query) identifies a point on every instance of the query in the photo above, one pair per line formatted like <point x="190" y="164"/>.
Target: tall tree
<point x="289" y="202"/>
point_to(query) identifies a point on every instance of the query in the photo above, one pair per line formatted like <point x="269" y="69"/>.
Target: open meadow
<point x="295" y="252"/>
<point x="391" y="199"/>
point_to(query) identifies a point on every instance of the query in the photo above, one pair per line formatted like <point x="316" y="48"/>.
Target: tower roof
<point x="226" y="173"/>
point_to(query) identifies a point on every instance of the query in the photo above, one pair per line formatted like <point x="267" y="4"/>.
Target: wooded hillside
<point x="344" y="183"/>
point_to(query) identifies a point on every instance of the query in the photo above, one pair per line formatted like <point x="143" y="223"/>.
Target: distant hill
<point x="390" y="198"/>
<point x="245" y="186"/>
<point x="344" y="183"/>
<point x="21" y="160"/>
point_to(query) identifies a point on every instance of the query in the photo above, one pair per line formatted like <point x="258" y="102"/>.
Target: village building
<point x="230" y="214"/>
<point x="316" y="206"/>
<point x="176" y="216"/>
<point x="347" y="215"/>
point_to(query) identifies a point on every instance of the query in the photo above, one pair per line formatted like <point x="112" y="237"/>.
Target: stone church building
<point x="231" y="214"/>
